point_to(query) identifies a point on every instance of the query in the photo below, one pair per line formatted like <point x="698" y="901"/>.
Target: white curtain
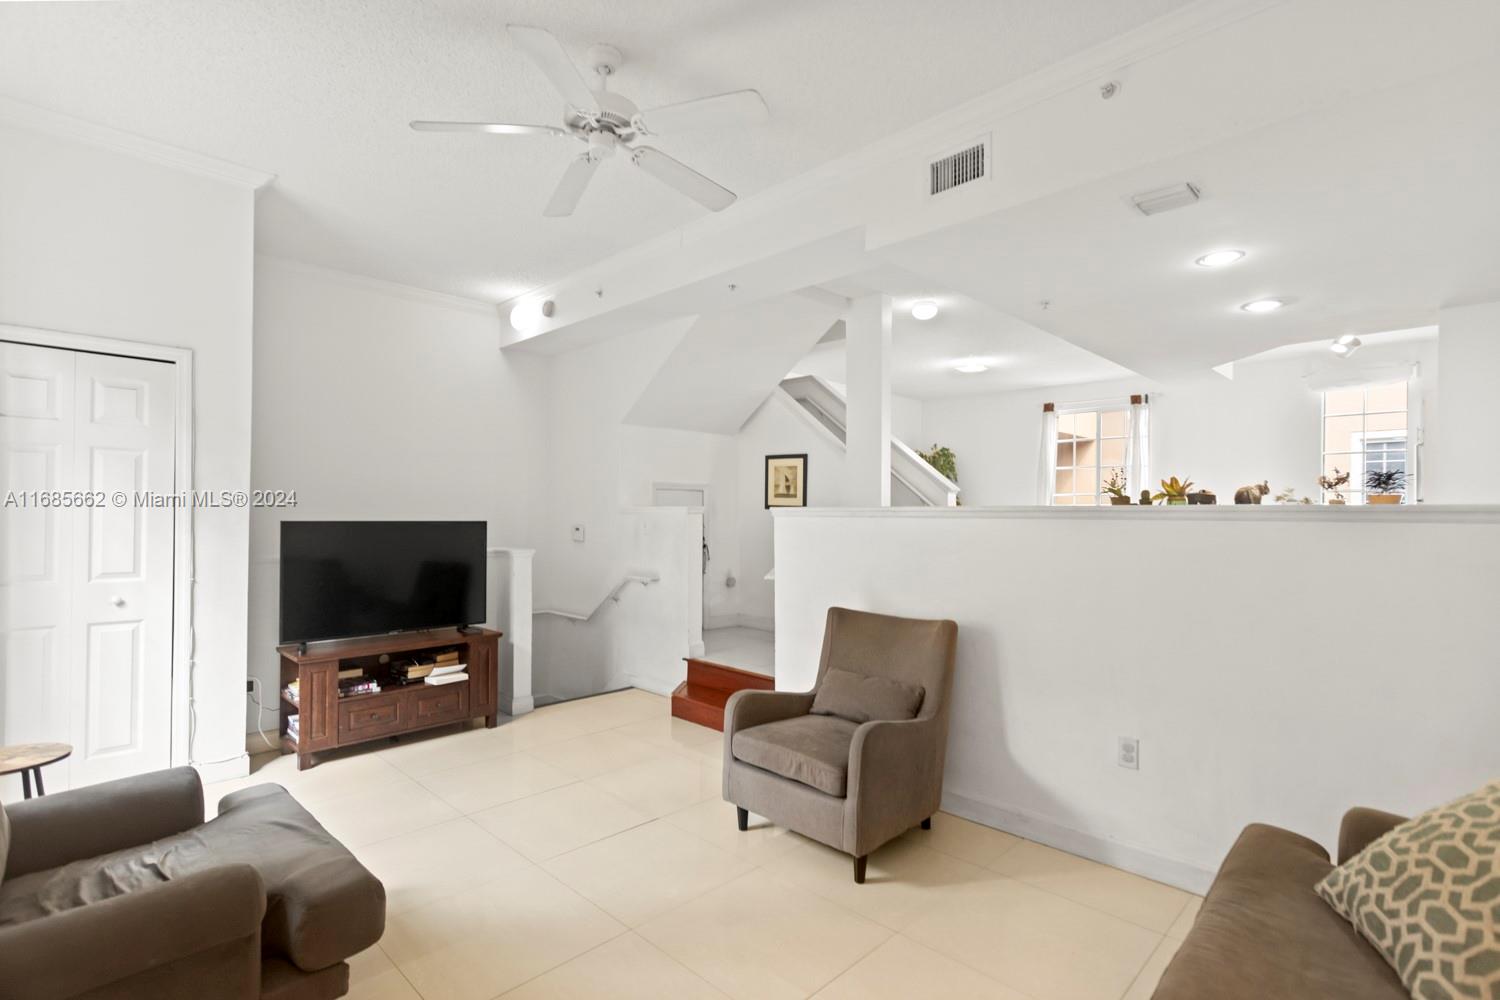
<point x="1138" y="446"/>
<point x="1047" y="464"/>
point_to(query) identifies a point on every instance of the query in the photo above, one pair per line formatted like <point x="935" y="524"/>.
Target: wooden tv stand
<point x="328" y="721"/>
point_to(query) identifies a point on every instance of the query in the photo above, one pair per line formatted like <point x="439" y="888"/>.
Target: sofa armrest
<point x="1362" y="827"/>
<point x="895" y="779"/>
<point x="91" y="947"/>
<point x="54" y="830"/>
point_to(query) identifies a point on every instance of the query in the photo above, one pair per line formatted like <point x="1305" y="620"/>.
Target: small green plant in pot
<point x="1384" y="485"/>
<point x="1173" y="492"/>
<point x="1116" y="489"/>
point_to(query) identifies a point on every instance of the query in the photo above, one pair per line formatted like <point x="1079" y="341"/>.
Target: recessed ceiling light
<point x="970" y="366"/>
<point x="1219" y="258"/>
<point x="924" y="309"/>
<point x="1346" y="345"/>
<point x="1263" y="305"/>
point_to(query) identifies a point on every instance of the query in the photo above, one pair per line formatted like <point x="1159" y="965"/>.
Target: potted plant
<point x="1116" y="488"/>
<point x="1289" y="496"/>
<point x="1174" y="493"/>
<point x="1333" y="483"/>
<point x="1384" y="485"/>
<point x="1200" y="497"/>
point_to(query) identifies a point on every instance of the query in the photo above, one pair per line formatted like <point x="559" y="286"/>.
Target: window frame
<point x="1099" y="410"/>
<point x="1355" y="491"/>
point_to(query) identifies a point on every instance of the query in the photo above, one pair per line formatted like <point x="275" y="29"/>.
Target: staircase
<point x="701" y="698"/>
<point x="914" y="483"/>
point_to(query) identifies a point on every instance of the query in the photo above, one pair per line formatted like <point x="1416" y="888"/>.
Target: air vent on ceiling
<point x="958" y="168"/>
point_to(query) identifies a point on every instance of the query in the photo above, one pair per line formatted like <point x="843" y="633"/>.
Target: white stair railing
<point x="613" y="597"/>
<point x="828" y="406"/>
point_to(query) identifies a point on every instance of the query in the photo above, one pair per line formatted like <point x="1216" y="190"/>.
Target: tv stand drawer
<point x="369" y="717"/>
<point x="434" y="705"/>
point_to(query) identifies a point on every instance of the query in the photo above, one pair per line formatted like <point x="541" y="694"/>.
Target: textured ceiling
<point x="319" y="92"/>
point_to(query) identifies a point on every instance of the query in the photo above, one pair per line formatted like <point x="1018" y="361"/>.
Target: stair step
<point x="707" y="673"/>
<point x="700" y="705"/>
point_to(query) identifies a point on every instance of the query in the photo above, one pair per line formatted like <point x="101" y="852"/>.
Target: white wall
<point x="377" y="401"/>
<point x="1277" y="664"/>
<point x="102" y="243"/>
<point x="1469" y="350"/>
<point x="1223" y="434"/>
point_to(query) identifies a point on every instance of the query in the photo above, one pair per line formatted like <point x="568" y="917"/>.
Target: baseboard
<point x="759" y="622"/>
<point x="1086" y="845"/>
<point x="520" y="706"/>
<point x="254" y="744"/>
<point x="652" y="684"/>
<point x="224" y="770"/>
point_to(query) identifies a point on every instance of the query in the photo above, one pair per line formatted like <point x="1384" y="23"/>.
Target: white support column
<point x="867" y="458"/>
<point x="1468" y="374"/>
<point x="513" y="617"/>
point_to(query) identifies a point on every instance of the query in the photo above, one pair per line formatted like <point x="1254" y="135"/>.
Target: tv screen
<point x="349" y="578"/>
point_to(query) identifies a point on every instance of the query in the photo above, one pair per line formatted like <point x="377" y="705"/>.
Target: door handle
<point x="117" y="601"/>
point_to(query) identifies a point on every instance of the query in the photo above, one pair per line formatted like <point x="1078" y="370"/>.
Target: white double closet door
<point x="86" y="591"/>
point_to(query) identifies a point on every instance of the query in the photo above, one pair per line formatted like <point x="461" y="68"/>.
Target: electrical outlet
<point x="1129" y="753"/>
<point x="577" y="532"/>
<point x="249" y="687"/>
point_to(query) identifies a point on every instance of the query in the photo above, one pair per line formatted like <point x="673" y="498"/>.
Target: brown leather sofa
<point x="122" y="890"/>
<point x="1263" y="932"/>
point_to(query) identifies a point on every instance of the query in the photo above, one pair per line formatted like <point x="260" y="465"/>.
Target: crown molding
<point x="35" y="119"/>
<point x="380" y="285"/>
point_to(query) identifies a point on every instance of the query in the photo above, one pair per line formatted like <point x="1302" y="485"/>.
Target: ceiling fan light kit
<point x="607" y="122"/>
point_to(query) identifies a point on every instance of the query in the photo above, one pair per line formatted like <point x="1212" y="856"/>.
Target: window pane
<point x="1333" y="463"/>
<point x="1385" y="422"/>
<point x="1342" y="433"/>
<point x="1337" y="401"/>
<point x="1085" y="480"/>
<point x="1385" y="397"/>
<point x="1116" y="423"/>
<point x="1112" y="453"/>
<point x="1085" y="452"/>
<point x="1064" y="454"/>
<point x="1062" y="501"/>
<point x="1064" y="481"/>
<point x="1066" y="424"/>
<point x="1086" y="425"/>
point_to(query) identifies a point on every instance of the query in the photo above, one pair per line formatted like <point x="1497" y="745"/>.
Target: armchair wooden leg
<point x="743" y="816"/>
<point x="927" y="823"/>
<point x="859" y="869"/>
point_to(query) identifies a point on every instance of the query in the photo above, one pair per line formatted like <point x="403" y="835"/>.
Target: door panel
<point x="86" y="591"/>
<point x="124" y="439"/>
<point x="36" y="595"/>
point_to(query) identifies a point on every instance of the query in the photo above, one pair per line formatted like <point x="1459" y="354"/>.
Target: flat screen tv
<point x="341" y="579"/>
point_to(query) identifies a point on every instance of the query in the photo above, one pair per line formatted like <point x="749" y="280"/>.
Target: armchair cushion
<point x="860" y="698"/>
<point x="811" y="749"/>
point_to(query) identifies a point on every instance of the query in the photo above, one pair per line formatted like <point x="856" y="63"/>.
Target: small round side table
<point x="29" y="759"/>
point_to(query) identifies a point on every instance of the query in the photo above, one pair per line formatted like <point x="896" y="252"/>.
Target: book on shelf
<point x="290" y="692"/>
<point x="451" y="668"/>
<point x="350" y="688"/>
<point x="451" y="678"/>
<point x="349" y="673"/>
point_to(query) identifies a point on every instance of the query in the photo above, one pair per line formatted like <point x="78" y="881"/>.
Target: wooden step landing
<point x="700" y="698"/>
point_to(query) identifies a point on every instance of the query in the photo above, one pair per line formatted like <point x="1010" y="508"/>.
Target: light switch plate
<point x="578" y="532"/>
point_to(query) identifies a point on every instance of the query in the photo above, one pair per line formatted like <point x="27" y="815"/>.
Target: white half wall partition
<point x="1277" y="664"/>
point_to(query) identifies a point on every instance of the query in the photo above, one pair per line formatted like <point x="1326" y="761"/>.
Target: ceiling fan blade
<point x="574" y="180"/>
<point x="547" y="52"/>
<point x="674" y="173"/>
<point x="740" y="107"/>
<point x="495" y="128"/>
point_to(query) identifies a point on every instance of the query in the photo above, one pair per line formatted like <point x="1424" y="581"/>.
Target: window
<point x="1090" y="446"/>
<point x="1364" y="428"/>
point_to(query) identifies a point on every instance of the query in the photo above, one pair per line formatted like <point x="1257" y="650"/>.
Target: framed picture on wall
<point x="786" y="481"/>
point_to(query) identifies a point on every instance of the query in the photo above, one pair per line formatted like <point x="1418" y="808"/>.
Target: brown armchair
<point x="850" y="763"/>
<point x="122" y="890"/>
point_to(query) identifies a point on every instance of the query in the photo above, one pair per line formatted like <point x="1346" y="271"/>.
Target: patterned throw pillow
<point x="1427" y="896"/>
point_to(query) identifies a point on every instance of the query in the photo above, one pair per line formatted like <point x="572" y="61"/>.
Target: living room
<point x="501" y="433"/>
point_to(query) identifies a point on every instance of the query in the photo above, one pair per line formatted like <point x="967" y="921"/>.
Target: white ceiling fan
<point x="607" y="122"/>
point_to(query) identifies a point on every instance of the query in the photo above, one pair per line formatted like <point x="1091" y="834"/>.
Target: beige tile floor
<point x="584" y="851"/>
